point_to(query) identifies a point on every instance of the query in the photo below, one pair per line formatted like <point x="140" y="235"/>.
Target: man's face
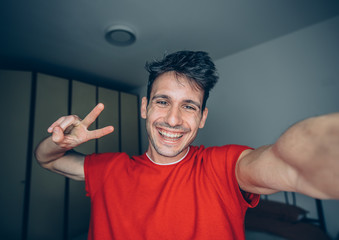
<point x="173" y="117"/>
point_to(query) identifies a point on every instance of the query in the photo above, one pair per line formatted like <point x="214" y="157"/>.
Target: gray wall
<point x="267" y="88"/>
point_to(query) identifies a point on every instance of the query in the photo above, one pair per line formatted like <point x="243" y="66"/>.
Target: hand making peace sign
<point x="70" y="131"/>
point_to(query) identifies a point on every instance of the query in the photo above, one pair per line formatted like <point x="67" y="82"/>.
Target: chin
<point x="168" y="152"/>
<point x="165" y="153"/>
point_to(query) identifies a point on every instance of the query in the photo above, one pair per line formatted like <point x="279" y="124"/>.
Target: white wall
<point x="267" y="88"/>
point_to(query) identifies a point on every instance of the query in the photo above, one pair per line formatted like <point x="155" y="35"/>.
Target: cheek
<point x="194" y="122"/>
<point x="153" y="115"/>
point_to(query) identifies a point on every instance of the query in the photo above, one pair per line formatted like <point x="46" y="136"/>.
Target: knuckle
<point x="76" y="118"/>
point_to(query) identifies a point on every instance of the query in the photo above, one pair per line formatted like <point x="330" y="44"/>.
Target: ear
<point x="143" y="108"/>
<point x="203" y="118"/>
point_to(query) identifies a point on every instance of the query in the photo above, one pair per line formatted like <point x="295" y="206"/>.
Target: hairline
<point x="193" y="83"/>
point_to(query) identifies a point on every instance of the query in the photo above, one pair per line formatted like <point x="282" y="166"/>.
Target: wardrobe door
<point x="15" y="93"/>
<point x="129" y="124"/>
<point x="83" y="101"/>
<point x="109" y="117"/>
<point x="46" y="205"/>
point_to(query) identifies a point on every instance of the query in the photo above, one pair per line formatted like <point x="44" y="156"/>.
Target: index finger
<point x="93" y="115"/>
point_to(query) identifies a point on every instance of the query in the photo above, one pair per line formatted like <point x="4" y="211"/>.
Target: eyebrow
<point x="190" y="101"/>
<point x="160" y="96"/>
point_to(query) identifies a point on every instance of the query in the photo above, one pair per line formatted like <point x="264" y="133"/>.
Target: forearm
<point x="47" y="151"/>
<point x="311" y="147"/>
<point x="60" y="160"/>
<point x="69" y="132"/>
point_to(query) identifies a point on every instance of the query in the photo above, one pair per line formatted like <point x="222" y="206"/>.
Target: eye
<point x="190" y="108"/>
<point x="162" y="103"/>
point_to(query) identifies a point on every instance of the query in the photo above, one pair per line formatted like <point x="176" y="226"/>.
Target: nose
<point x="174" y="117"/>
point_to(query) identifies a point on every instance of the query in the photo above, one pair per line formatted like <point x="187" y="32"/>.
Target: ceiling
<point x="66" y="37"/>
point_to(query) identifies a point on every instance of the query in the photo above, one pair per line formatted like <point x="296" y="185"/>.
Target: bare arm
<point x="55" y="152"/>
<point x="304" y="159"/>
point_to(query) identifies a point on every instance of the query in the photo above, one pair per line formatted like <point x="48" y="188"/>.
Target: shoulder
<point x="230" y="150"/>
<point x="219" y="158"/>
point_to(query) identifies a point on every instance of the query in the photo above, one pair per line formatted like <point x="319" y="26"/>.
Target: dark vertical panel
<point x="15" y="105"/>
<point x="46" y="205"/>
<point x="129" y="124"/>
<point x="109" y="117"/>
<point x="29" y="157"/>
<point x="66" y="199"/>
<point x="82" y="102"/>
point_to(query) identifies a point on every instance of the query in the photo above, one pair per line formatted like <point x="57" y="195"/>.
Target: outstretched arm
<point x="304" y="159"/>
<point x="68" y="132"/>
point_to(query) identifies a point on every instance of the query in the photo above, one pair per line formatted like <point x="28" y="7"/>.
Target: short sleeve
<point x="233" y="152"/>
<point x="223" y="160"/>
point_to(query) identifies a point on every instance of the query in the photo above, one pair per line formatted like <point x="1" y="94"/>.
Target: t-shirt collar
<point x="164" y="164"/>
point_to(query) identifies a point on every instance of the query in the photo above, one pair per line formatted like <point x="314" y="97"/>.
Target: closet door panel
<point x="15" y="93"/>
<point x="46" y="210"/>
<point x="109" y="117"/>
<point x="129" y="124"/>
<point x="83" y="101"/>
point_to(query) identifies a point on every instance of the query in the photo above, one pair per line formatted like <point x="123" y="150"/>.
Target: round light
<point x="120" y="36"/>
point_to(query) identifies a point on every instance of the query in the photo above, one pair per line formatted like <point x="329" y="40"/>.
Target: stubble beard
<point x="157" y="148"/>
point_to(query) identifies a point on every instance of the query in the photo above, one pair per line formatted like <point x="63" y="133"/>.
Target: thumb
<point x="57" y="135"/>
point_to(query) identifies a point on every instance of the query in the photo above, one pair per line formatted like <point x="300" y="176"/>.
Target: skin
<point x="69" y="132"/>
<point x="173" y="117"/>
<point x="304" y="159"/>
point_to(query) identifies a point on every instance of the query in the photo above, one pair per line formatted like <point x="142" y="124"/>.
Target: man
<point x="179" y="191"/>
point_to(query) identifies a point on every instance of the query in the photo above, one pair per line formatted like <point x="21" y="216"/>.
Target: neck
<point x="162" y="160"/>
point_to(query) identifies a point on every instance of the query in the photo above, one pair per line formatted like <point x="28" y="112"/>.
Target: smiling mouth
<point x="169" y="135"/>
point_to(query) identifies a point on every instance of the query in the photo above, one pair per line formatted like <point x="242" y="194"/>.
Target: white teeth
<point x="170" y="135"/>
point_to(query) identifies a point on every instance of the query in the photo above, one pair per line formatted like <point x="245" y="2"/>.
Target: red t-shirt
<point x="196" y="198"/>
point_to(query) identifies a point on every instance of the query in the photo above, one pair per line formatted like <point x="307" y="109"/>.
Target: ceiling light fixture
<point x="120" y="35"/>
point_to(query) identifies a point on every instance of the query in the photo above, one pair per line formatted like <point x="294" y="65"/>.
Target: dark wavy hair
<point x="195" y="66"/>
